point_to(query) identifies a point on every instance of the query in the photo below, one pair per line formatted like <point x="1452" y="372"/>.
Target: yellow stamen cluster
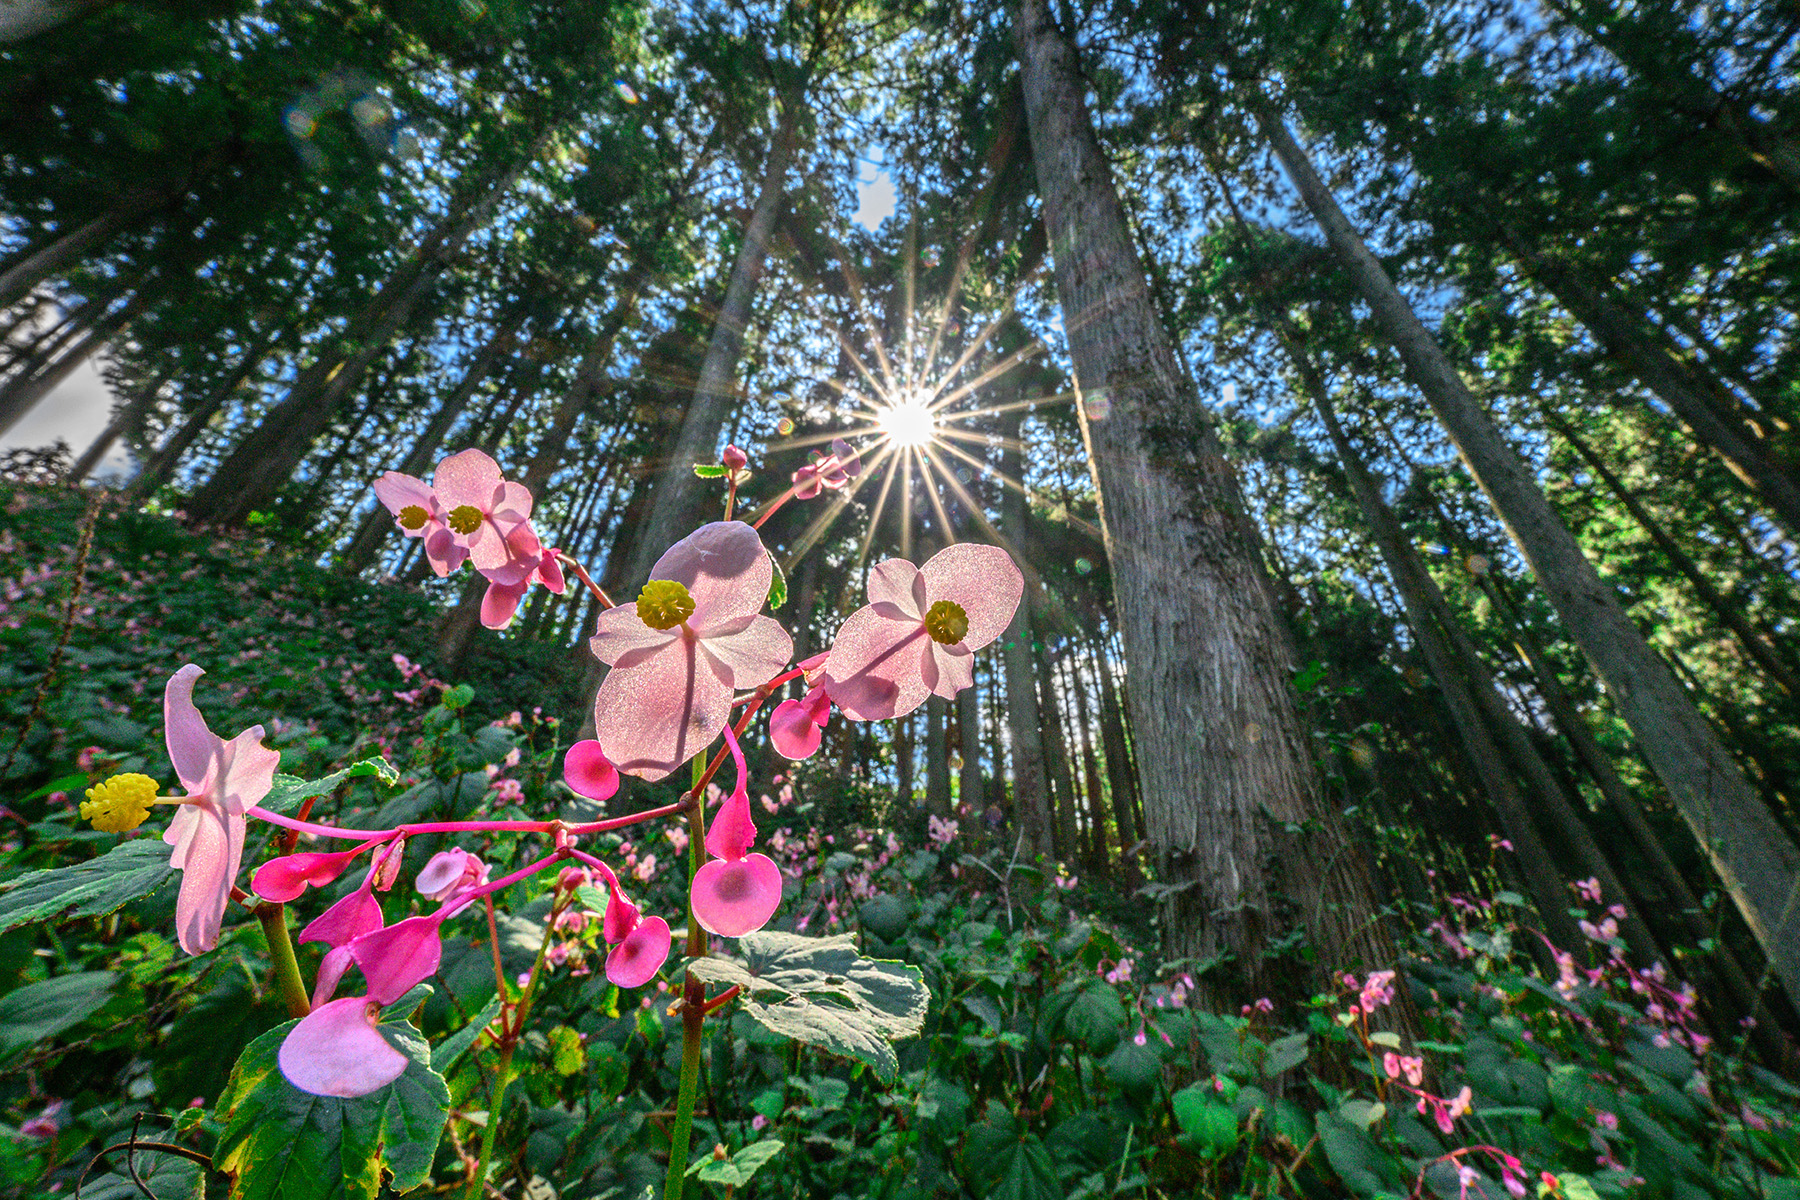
<point x="119" y="804"/>
<point x="664" y="604"/>
<point x="465" y="518"/>
<point x="946" y="622"/>
<point x="413" y="517"/>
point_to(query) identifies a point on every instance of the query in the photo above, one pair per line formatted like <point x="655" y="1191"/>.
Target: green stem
<point x="514" y="1030"/>
<point x="693" y="1001"/>
<point x="281" y="955"/>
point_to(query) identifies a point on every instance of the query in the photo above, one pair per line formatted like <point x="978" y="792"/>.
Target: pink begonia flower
<point x="918" y="634"/>
<point x="283" y="879"/>
<point x="694" y="635"/>
<point x="417" y="513"/>
<point x="827" y="471"/>
<point x="588" y="771"/>
<point x="222" y="780"/>
<point x="501" y="601"/>
<point x="640" y="945"/>
<point x="483" y="511"/>
<point x="736" y="892"/>
<point x="403" y="954"/>
<point x="448" y="872"/>
<point x="796" y="727"/>
<point x="336" y="1050"/>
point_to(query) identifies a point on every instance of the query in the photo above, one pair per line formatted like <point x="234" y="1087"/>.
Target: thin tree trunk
<point x="969" y="790"/>
<point x="903" y="763"/>
<point x="20" y="396"/>
<point x="161" y="464"/>
<point x="67" y="249"/>
<point x="1090" y="768"/>
<point x="1118" y="759"/>
<point x="675" y="504"/>
<point x="1056" y="750"/>
<point x="1226" y="763"/>
<point x="1730" y="615"/>
<point x="130" y="414"/>
<point x="1753" y="854"/>
<point x="1030" y="780"/>
<point x="937" y="756"/>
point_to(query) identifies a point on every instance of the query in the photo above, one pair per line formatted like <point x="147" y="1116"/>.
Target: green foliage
<point x="38" y="1012"/>
<point x="87" y="889"/>
<point x="280" y="1142"/>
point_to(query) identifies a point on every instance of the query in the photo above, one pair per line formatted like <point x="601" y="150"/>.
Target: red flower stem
<point x="772" y="507"/>
<point x="721" y="1000"/>
<point x="581" y="574"/>
<point x="292" y="838"/>
<point x="372" y="835"/>
<point x="507" y="881"/>
<point x="784" y="677"/>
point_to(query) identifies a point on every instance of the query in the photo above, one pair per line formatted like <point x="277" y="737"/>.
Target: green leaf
<point x="87" y="889"/>
<point x="289" y="790"/>
<point x="709" y="470"/>
<point x="1097" y="1016"/>
<point x="1004" y="1160"/>
<point x="1133" y="1067"/>
<point x="1355" y="1158"/>
<point x="1208" y="1124"/>
<point x="567" y="1055"/>
<point x="458" y="696"/>
<point x="281" y="1143"/>
<point x="445" y="1054"/>
<point x="824" y="993"/>
<point x="777" y="585"/>
<point x="737" y="1170"/>
<point x="1285" y="1053"/>
<point x="38" y="1012"/>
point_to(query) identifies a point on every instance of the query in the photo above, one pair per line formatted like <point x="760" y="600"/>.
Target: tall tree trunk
<point x="675" y="504"/>
<point x="21" y="395"/>
<point x="256" y="469"/>
<point x="969" y="790"/>
<point x="1226" y="763"/>
<point x="1118" y="764"/>
<point x="1752" y="853"/>
<point x="1730" y="615"/>
<point x="1032" y="807"/>
<point x="903" y="763"/>
<point x="937" y="756"/>
<point x="1090" y="768"/>
<point x="129" y="415"/>
<point x="1056" y="749"/>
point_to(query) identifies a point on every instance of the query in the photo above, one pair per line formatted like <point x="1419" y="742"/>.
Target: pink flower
<point x="46" y="1124"/>
<point x="827" y="471"/>
<point x="501" y="600"/>
<point x="1377" y="990"/>
<point x="588" y="771"/>
<point x="796" y="726"/>
<point x="1589" y="889"/>
<point x="336" y="1050"/>
<point x="417" y="513"/>
<point x="223" y="779"/>
<point x="737" y="892"/>
<point x="640" y="945"/>
<point x="508" y="791"/>
<point x="283" y="879"/>
<point x="940" y="831"/>
<point x="448" y="872"/>
<point x="918" y="634"/>
<point x="694" y="635"/>
<point x="484" y="512"/>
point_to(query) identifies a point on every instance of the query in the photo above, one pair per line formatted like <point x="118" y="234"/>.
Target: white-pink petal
<point x="983" y="580"/>
<point x="336" y="1050"/>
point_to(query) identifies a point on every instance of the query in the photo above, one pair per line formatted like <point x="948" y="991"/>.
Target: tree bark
<point x="1754" y="856"/>
<point x="1226" y="762"/>
<point x="969" y="790"/>
<point x="1030" y="780"/>
<point x="937" y="756"/>
<point x="162" y="462"/>
<point x="130" y="414"/>
<point x="65" y="250"/>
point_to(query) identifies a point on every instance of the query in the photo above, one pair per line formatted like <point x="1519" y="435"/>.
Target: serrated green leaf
<point x="280" y="1143"/>
<point x="1286" y="1053"/>
<point x="709" y="470"/>
<point x="87" y="889"/>
<point x="1096" y="1016"/>
<point x="824" y="993"/>
<point x="1006" y="1161"/>
<point x="38" y="1012"/>
<point x="290" y="790"/>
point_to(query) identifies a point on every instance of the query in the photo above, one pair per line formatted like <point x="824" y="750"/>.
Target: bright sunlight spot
<point x="910" y="424"/>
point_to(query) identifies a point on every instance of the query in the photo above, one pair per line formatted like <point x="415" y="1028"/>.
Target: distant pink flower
<point x="918" y="634"/>
<point x="1377" y="990"/>
<point x="417" y="513"/>
<point x="1606" y="1120"/>
<point x="940" y="831"/>
<point x="1589" y="889"/>
<point x="508" y="791"/>
<point x="46" y="1124"/>
<point x="448" y="872"/>
<point x="501" y="600"/>
<point x="484" y="512"/>
<point x="827" y="471"/>
<point x="588" y="771"/>
<point x="737" y="892"/>
<point x="223" y="779"/>
<point x="694" y="635"/>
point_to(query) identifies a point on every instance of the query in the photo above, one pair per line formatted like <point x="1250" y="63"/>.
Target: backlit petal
<point x="209" y="843"/>
<point x="895" y="581"/>
<point x="750" y="650"/>
<point x="588" y="771"/>
<point x="655" y="716"/>
<point x="735" y="898"/>
<point x="336" y="1050"/>
<point x="875" y="671"/>
<point x="193" y="748"/>
<point x="394" y="959"/>
<point x="636" y="960"/>
<point x="725" y="569"/>
<point x="983" y="580"/>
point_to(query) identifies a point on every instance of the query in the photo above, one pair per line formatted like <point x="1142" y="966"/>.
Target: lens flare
<point x="909" y="424"/>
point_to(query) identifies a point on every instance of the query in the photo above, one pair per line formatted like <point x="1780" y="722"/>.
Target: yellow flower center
<point x="119" y="804"/>
<point x="664" y="604"/>
<point x="946" y="622"/>
<point x="413" y="517"/>
<point x="465" y="518"/>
